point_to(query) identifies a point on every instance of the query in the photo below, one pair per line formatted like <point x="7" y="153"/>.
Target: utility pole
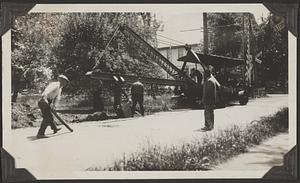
<point x="253" y="82"/>
<point x="249" y="59"/>
<point x="205" y="33"/>
<point x="244" y="48"/>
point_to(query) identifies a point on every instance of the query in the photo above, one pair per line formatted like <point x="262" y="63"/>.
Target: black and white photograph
<point x="150" y="91"/>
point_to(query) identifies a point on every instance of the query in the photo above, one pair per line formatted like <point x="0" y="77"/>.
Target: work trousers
<point x="138" y="98"/>
<point x="47" y="117"/>
<point x="209" y="115"/>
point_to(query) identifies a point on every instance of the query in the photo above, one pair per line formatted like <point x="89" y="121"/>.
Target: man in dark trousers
<point x="117" y="92"/>
<point x="137" y="96"/>
<point x="97" y="97"/>
<point x="49" y="98"/>
<point x="208" y="100"/>
<point x="17" y="73"/>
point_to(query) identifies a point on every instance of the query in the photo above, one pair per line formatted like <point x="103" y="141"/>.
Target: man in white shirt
<point x="49" y="99"/>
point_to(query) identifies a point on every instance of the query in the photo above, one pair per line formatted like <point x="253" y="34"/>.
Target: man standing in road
<point x="50" y="96"/>
<point x="137" y="96"/>
<point x="208" y="100"/>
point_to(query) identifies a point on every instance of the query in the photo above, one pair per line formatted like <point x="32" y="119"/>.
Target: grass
<point x="159" y="103"/>
<point x="206" y="153"/>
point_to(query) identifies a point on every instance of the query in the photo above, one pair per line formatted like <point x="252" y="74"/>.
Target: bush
<point x="158" y="104"/>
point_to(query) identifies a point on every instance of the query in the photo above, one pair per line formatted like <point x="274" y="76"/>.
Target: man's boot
<point x="41" y="136"/>
<point x="56" y="130"/>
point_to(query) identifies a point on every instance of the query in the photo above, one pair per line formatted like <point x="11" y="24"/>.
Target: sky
<point x="175" y="17"/>
<point x="174" y="25"/>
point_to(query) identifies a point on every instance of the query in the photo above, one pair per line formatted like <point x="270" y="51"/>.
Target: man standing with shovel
<point x="50" y="96"/>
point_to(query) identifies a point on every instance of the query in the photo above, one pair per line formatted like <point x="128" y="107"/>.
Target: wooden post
<point x="205" y="33"/>
<point x="244" y="48"/>
<point x="253" y="79"/>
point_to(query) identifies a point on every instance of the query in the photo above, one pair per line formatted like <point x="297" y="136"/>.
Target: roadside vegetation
<point x="205" y="154"/>
<point x="25" y="113"/>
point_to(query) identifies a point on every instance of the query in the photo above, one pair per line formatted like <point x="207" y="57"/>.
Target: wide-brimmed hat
<point x="63" y="77"/>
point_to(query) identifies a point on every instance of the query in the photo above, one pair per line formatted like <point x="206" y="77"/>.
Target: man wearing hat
<point x="209" y="100"/>
<point x="49" y="98"/>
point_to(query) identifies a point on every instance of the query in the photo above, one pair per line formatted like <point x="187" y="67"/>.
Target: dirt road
<point x="98" y="143"/>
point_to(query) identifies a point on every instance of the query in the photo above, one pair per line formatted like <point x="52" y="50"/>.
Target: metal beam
<point x="156" y="56"/>
<point x="131" y="79"/>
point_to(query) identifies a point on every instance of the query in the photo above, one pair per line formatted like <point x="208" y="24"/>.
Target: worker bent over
<point x="208" y="100"/>
<point x="137" y="96"/>
<point x="50" y="96"/>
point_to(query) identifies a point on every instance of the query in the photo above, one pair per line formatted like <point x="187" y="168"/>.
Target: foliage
<point x="33" y="37"/>
<point x="48" y="44"/>
<point x="85" y="39"/>
<point x="203" y="155"/>
<point x="274" y="45"/>
<point x="158" y="104"/>
<point x="225" y="34"/>
<point x="226" y="39"/>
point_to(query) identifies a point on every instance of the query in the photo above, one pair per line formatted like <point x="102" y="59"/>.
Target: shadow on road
<point x="275" y="161"/>
<point x="200" y="130"/>
<point x="33" y="138"/>
<point x="272" y="156"/>
<point x="233" y="104"/>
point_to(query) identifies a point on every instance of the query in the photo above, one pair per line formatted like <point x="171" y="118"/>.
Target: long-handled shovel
<point x="62" y="121"/>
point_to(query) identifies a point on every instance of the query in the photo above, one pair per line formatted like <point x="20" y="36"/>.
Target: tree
<point x="33" y="37"/>
<point x="84" y="43"/>
<point x="274" y="44"/>
<point x="48" y="44"/>
<point x="226" y="35"/>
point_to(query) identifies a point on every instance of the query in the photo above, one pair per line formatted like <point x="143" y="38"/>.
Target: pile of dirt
<point x="23" y="115"/>
<point x="96" y="116"/>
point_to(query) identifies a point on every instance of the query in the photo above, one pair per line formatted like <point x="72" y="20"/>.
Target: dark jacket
<point x="209" y="93"/>
<point x="137" y="88"/>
